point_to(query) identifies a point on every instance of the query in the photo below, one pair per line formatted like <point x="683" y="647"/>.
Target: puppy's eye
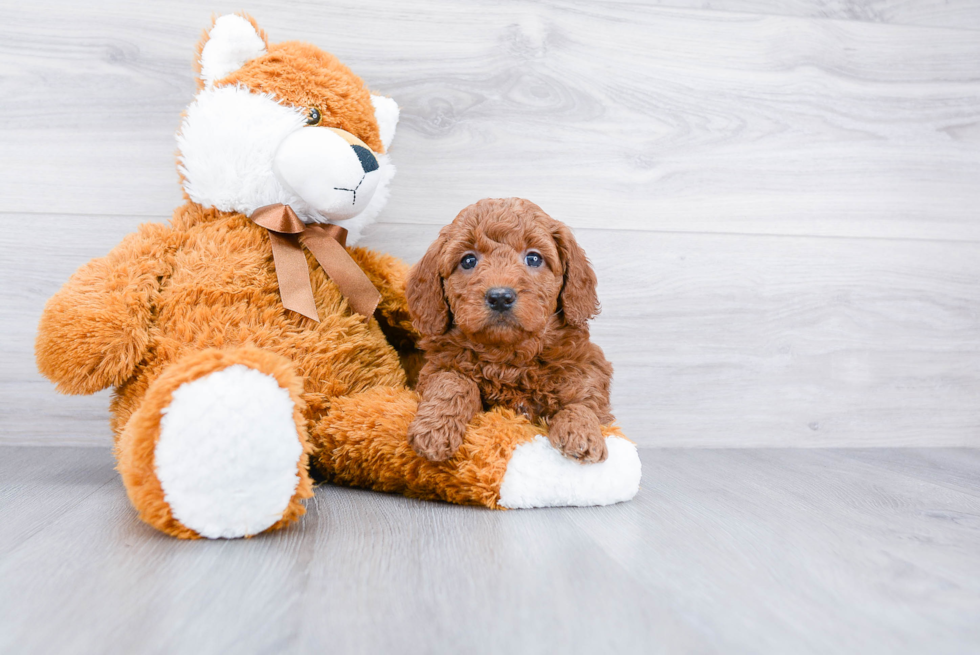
<point x="468" y="261"/>
<point x="533" y="259"/>
<point x="313" y="116"/>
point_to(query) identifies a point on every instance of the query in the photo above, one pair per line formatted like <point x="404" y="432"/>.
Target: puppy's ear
<point x="579" y="301"/>
<point x="424" y="293"/>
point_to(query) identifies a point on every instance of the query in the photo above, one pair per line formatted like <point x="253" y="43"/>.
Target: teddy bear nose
<point x="368" y="161"/>
<point x="501" y="299"/>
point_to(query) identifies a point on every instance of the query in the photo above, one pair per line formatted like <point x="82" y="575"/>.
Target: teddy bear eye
<point x="313" y="117"/>
<point x="533" y="259"/>
<point x="468" y="261"/>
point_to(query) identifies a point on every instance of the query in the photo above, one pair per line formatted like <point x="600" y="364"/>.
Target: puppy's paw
<point x="575" y="431"/>
<point x="585" y="445"/>
<point x="436" y="438"/>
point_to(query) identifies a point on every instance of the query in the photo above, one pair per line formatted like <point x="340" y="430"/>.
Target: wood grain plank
<point x="951" y="467"/>
<point x="95" y="578"/>
<point x="623" y="115"/>
<point x="363" y="572"/>
<point x="716" y="339"/>
<point x="958" y="14"/>
<point x="55" y="479"/>
<point x="801" y="551"/>
<point x="455" y="579"/>
<point x="723" y="551"/>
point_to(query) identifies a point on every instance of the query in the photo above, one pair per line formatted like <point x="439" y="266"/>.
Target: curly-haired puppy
<point x="502" y="299"/>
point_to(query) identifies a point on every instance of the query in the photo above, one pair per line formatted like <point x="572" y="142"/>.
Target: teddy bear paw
<point x="539" y="475"/>
<point x="228" y="453"/>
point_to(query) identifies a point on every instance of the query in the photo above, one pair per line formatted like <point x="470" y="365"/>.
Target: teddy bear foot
<point x="538" y="475"/>
<point x="227" y="453"/>
<point x="217" y="449"/>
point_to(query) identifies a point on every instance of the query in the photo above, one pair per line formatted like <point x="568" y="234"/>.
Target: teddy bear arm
<point x="95" y="330"/>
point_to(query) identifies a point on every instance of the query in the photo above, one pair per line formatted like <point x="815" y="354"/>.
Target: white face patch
<point x="319" y="166"/>
<point x="227" y="140"/>
<point x="227" y="144"/>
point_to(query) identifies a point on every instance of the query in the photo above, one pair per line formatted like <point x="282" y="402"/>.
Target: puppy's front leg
<point x="575" y="431"/>
<point x="449" y="402"/>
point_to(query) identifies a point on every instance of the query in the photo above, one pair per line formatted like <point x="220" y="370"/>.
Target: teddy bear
<point x="251" y="347"/>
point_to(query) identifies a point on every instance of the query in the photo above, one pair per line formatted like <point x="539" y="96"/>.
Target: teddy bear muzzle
<point x="333" y="171"/>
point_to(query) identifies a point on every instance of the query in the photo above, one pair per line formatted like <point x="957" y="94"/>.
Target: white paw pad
<point x="538" y="475"/>
<point x="228" y="453"/>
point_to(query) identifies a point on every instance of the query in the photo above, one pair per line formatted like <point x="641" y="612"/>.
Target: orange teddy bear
<point x="250" y="349"/>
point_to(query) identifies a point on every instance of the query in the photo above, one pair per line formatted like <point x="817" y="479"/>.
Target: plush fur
<point x="355" y="445"/>
<point x="137" y="438"/>
<point x="231" y="41"/>
<point x="253" y="98"/>
<point x="236" y="410"/>
<point x="534" y="358"/>
<point x="192" y="310"/>
<point x="303" y="75"/>
<point x="538" y="476"/>
<point x="211" y="375"/>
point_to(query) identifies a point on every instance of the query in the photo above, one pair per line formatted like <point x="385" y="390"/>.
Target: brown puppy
<point x="502" y="299"/>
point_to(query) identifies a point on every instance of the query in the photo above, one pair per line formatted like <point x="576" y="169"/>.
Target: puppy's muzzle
<point x="501" y="299"/>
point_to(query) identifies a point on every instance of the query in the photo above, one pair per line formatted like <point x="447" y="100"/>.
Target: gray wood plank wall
<point x="782" y="200"/>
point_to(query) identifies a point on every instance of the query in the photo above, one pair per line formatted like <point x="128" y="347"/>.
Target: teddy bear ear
<point x="232" y="40"/>
<point x="386" y="113"/>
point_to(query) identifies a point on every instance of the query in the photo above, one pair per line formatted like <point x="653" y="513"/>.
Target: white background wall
<point x="781" y="199"/>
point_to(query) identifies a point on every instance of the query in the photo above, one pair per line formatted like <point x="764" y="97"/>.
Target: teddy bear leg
<point x="503" y="462"/>
<point x="218" y="446"/>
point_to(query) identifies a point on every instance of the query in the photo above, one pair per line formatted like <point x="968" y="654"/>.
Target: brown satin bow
<point x="327" y="243"/>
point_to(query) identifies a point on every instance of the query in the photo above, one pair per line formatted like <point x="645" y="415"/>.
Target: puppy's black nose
<point x="500" y="299"/>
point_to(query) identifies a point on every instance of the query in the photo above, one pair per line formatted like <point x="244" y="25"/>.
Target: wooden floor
<point x="723" y="551"/>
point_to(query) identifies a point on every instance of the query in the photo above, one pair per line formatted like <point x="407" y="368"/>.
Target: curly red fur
<point x="535" y="358"/>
